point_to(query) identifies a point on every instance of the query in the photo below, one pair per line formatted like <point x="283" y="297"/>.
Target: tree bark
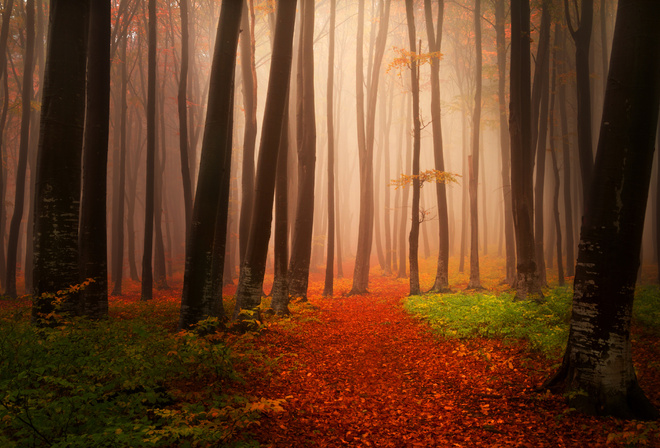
<point x="57" y="200"/>
<point x="93" y="242"/>
<point x="597" y="369"/>
<point x="330" y="256"/>
<point x="198" y="294"/>
<point x="301" y="246"/>
<point x="182" y="107"/>
<point x="522" y="154"/>
<point x="250" y="284"/>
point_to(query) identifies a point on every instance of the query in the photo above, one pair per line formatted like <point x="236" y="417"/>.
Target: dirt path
<point x="359" y="371"/>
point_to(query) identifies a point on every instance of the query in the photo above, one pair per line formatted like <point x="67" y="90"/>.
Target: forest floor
<point x="360" y="371"/>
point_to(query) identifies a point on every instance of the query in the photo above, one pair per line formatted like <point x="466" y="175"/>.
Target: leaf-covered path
<point x="359" y="371"/>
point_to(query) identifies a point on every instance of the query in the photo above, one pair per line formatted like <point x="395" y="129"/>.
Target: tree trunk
<point x="147" y="254"/>
<point x="198" y="295"/>
<point x="19" y="196"/>
<point x="473" y="161"/>
<point x="93" y="244"/>
<point x="441" y="282"/>
<point x="582" y="38"/>
<point x="250" y="284"/>
<point x="301" y="246"/>
<point x="597" y="370"/>
<point x="330" y="257"/>
<point x="182" y="106"/>
<point x="57" y="200"/>
<point x="522" y="155"/>
<point x="249" y="77"/>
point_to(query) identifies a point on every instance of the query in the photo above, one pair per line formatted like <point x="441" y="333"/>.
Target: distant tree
<point x="26" y="108"/>
<point x="522" y="154"/>
<point x="197" y="301"/>
<point x="250" y="284"/>
<point x="93" y="233"/>
<point x="57" y="200"/>
<point x="182" y="107"/>
<point x="597" y="371"/>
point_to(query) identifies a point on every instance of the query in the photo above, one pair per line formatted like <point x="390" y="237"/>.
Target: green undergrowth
<point x="543" y="325"/>
<point x="121" y="382"/>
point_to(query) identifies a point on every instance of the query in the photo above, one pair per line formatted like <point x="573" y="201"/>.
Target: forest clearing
<point x="345" y="371"/>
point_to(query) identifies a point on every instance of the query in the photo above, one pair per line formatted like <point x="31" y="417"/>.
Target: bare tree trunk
<point x="182" y="106"/>
<point x="473" y="160"/>
<point x="330" y="256"/>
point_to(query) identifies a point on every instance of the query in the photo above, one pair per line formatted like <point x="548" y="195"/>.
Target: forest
<point x="391" y="223"/>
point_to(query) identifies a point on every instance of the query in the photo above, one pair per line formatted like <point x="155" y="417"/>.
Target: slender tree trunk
<point x="566" y="154"/>
<point x="403" y="271"/>
<point x="57" y="203"/>
<point x="434" y="35"/>
<point x="386" y="206"/>
<point x="19" y="196"/>
<point x="3" y="126"/>
<point x="522" y="154"/>
<point x="93" y="242"/>
<point x="182" y="107"/>
<point x="413" y="238"/>
<point x="147" y="254"/>
<point x="301" y="246"/>
<point x="582" y="38"/>
<point x="249" y="77"/>
<point x="198" y="297"/>
<point x="330" y="257"/>
<point x="473" y="160"/>
<point x="597" y="370"/>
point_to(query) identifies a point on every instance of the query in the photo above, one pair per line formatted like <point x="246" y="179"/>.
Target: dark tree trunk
<point x="160" y="269"/>
<point x="93" y="242"/>
<point x="301" y="246"/>
<point x="597" y="370"/>
<point x="120" y="190"/>
<point x="19" y="196"/>
<point x="582" y="37"/>
<point x="250" y="284"/>
<point x="413" y="238"/>
<point x="441" y="282"/>
<point x="555" y="164"/>
<point x="473" y="160"/>
<point x="182" y="105"/>
<point x="249" y="77"/>
<point x="522" y="154"/>
<point x="566" y="156"/>
<point x="147" y="254"/>
<point x="542" y="66"/>
<point x="3" y="125"/>
<point x="401" y="233"/>
<point x="57" y="200"/>
<point x="197" y="299"/>
<point x="330" y="257"/>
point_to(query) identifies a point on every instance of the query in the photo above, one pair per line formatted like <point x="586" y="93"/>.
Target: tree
<point x="301" y="246"/>
<point x="598" y="360"/>
<point x="413" y="238"/>
<point x="330" y="257"/>
<point x="582" y="38"/>
<point x="509" y="241"/>
<point x="57" y="200"/>
<point x="93" y="234"/>
<point x="147" y="254"/>
<point x="250" y="284"/>
<point x="182" y="106"/>
<point x="198" y="288"/>
<point x="522" y="155"/>
<point x="473" y="161"/>
<point x="26" y="108"/>
<point x="441" y="282"/>
<point x="249" y="77"/>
